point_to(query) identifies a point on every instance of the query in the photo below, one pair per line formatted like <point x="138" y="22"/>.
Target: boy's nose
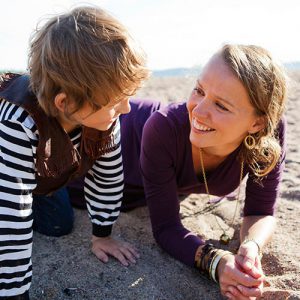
<point x="124" y="107"/>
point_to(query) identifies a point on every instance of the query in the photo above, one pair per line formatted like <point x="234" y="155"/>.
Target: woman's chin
<point x="196" y="143"/>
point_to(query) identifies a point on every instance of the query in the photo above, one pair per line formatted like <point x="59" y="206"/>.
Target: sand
<point x="65" y="268"/>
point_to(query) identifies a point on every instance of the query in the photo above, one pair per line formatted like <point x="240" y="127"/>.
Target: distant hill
<point x="293" y="65"/>
<point x="177" y="72"/>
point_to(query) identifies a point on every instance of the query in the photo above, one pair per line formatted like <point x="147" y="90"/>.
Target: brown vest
<point x="57" y="160"/>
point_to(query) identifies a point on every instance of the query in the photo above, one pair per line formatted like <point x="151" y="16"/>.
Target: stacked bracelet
<point x="207" y="260"/>
<point x="215" y="262"/>
<point x="201" y="254"/>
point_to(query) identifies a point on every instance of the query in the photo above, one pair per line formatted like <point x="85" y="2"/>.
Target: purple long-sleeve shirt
<point x="167" y="170"/>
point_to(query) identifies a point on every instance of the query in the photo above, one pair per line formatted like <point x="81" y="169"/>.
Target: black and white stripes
<point x="18" y="142"/>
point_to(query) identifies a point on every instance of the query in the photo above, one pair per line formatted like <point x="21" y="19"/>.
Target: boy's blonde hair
<point x="83" y="53"/>
<point x="265" y="82"/>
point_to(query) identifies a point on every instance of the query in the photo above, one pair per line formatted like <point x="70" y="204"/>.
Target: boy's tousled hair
<point x="84" y="53"/>
<point x="266" y="83"/>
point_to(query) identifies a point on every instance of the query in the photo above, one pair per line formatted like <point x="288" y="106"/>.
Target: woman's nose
<point x="203" y="107"/>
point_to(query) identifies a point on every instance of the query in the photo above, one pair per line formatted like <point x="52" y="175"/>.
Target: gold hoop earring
<point x="249" y="142"/>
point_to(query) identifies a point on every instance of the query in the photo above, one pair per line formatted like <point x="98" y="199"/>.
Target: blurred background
<point x="177" y="35"/>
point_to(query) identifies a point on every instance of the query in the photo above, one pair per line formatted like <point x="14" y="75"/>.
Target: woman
<point x="230" y="127"/>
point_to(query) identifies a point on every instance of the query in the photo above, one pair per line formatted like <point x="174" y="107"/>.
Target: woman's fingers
<point x="246" y="262"/>
<point x="233" y="293"/>
<point x="247" y="280"/>
<point x="231" y="273"/>
<point x="236" y="293"/>
<point x="254" y="271"/>
<point x="250" y="292"/>
<point x="247" y="257"/>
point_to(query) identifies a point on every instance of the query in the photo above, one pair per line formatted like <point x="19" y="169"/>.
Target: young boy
<point x="57" y="123"/>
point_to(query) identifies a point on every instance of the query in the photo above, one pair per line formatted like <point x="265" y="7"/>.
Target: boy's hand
<point x="102" y="247"/>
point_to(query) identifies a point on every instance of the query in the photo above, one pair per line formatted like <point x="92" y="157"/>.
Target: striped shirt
<point x="18" y="142"/>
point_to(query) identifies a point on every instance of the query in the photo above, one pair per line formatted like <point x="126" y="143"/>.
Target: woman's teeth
<point x="201" y="127"/>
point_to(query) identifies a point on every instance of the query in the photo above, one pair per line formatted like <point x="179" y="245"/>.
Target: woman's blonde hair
<point x="265" y="82"/>
<point x="82" y="53"/>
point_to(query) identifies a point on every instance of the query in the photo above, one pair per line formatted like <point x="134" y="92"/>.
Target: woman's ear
<point x="259" y="124"/>
<point x="60" y="102"/>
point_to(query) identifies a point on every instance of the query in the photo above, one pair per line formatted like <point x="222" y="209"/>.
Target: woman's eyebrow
<point x="226" y="101"/>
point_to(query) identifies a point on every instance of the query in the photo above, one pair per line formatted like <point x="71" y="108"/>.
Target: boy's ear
<point x="60" y="101"/>
<point x="259" y="124"/>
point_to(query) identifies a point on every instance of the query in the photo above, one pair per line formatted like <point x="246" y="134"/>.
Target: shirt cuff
<point x="101" y="231"/>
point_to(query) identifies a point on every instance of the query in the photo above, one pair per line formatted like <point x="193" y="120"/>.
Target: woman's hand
<point x="235" y="283"/>
<point x="102" y="247"/>
<point x="248" y="258"/>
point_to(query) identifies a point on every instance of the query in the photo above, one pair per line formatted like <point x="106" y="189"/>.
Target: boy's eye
<point x="111" y="105"/>
<point x="96" y="107"/>
<point x="198" y="91"/>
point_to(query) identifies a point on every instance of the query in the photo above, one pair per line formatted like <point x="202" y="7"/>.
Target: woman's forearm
<point x="259" y="228"/>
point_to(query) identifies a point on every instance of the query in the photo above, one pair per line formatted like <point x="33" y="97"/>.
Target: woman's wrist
<point x="251" y="240"/>
<point x="198" y="255"/>
<point x="220" y="267"/>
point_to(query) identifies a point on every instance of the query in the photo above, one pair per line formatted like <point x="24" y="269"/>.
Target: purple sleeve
<point x="158" y="168"/>
<point x="261" y="198"/>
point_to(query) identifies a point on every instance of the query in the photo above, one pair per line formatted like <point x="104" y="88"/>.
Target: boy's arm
<point x="17" y="180"/>
<point x="103" y="192"/>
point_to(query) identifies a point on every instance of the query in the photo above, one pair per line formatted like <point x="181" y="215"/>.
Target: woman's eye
<point x="222" y="107"/>
<point x="199" y="91"/>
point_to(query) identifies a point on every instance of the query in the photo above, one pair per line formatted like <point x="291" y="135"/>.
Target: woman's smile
<point x="196" y="125"/>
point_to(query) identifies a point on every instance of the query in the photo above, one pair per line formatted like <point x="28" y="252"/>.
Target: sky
<point x="173" y="33"/>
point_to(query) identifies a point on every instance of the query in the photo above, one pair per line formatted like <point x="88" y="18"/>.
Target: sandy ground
<point x="65" y="268"/>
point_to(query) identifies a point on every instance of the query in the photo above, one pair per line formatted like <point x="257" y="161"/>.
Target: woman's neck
<point x="211" y="160"/>
<point x="220" y="152"/>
